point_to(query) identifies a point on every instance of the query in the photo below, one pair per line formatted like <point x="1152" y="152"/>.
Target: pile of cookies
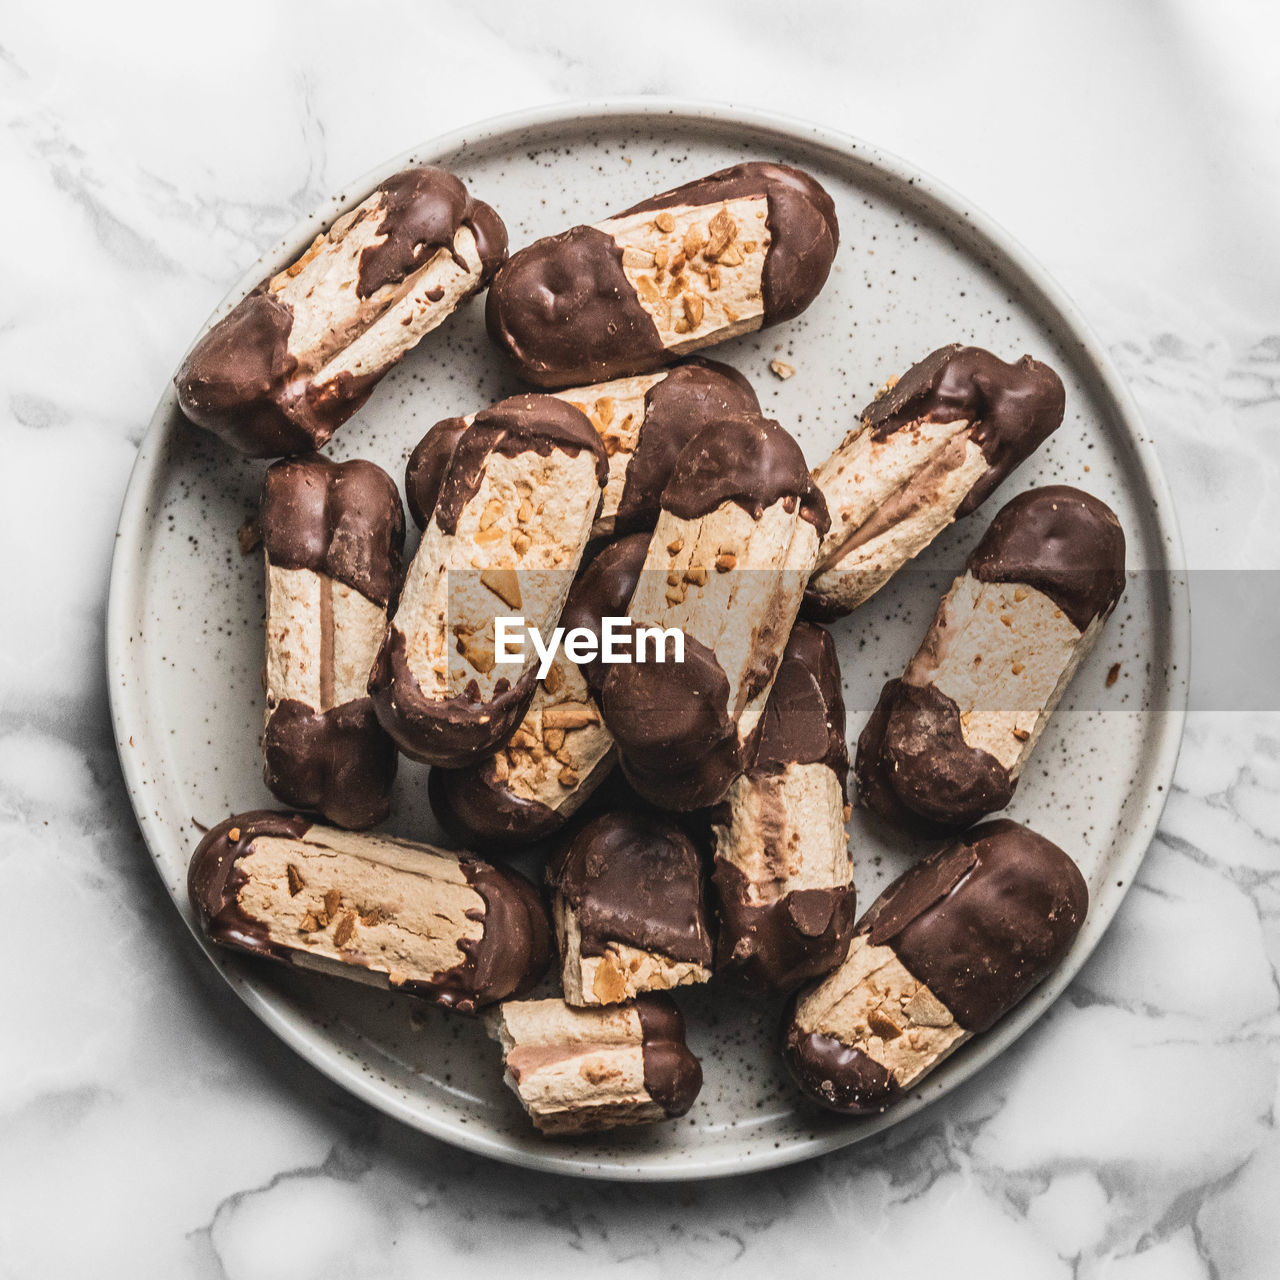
<point x="692" y="811"/>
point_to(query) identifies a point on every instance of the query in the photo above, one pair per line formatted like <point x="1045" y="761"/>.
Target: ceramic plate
<point x="916" y="268"/>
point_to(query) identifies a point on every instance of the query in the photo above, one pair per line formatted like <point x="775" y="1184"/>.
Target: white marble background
<point x="148" y="1125"/>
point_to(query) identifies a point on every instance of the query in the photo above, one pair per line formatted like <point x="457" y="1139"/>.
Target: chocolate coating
<point x="338" y="762"/>
<point x="635" y="878"/>
<point x="677" y="741"/>
<point x="519" y="424"/>
<point x="425" y="471"/>
<point x="804" y="721"/>
<point x="1061" y="541"/>
<point x="832" y="1073"/>
<point x="746" y="459"/>
<point x="690" y="397"/>
<point x="342" y="519"/>
<point x="451" y="732"/>
<point x="1012" y="408"/>
<point x="423" y="209"/>
<point x="214" y="879"/>
<point x="981" y="922"/>
<point x="915" y="770"/>
<point x="804" y="232"/>
<point x="474" y="807"/>
<point x="240" y="382"/>
<point x="506" y="961"/>
<point x="776" y="946"/>
<point x="563" y="310"/>
<point x="603" y="589"/>
<point x="672" y="1075"/>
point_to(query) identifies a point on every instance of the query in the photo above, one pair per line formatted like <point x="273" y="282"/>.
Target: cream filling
<point x="785" y="831"/>
<point x="1004" y="653"/>
<point x="872" y="1003"/>
<point x="304" y="663"/>
<point x="744" y="612"/>
<point x="697" y="269"/>
<point x="516" y="548"/>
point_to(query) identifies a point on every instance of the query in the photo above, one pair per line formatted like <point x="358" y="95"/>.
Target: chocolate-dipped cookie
<point x="585" y="1070"/>
<point x="726" y="566"/>
<point x="628" y="903"/>
<point x="948" y="741"/>
<point x="742" y="248"/>
<point x="450" y="929"/>
<point x="931" y="447"/>
<point x="507" y="531"/>
<point x="945" y="952"/>
<point x="295" y="359"/>
<point x="782" y="872"/>
<point x="332" y="534"/>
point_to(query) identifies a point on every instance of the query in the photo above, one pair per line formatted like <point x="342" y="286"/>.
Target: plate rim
<point x="302" y="1037"/>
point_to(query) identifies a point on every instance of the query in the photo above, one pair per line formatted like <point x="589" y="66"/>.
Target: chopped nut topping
<point x="520" y="543"/>
<point x="1022" y="734"/>
<point x="664" y="221"/>
<point x="554" y="738"/>
<point x="332" y="901"/>
<point x="346" y="930"/>
<point x="722" y="230"/>
<point x="309" y="923"/>
<point x="693" y="309"/>
<point x="731" y="257"/>
<point x="782" y="369"/>
<point x="882" y="1025"/>
<point x="677" y="264"/>
<point x="567" y="777"/>
<point x="675" y="546"/>
<point x="505" y="584"/>
<point x="1007" y="619"/>
<point x="295" y="880"/>
<point x="726" y="561"/>
<point x="647" y="289"/>
<point x="713" y="278"/>
<point x="698" y="576"/>
<point x="1018" y="668"/>
<point x="491" y="514"/>
<point x="525" y="511"/>
<point x="234" y="835"/>
<point x="1020" y="595"/>
<point x="570" y="715"/>
<point x="661" y="256"/>
<point x="694" y="239"/>
<point x="636" y="258"/>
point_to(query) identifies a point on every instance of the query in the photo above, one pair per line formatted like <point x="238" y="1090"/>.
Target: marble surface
<point x="148" y="1125"/>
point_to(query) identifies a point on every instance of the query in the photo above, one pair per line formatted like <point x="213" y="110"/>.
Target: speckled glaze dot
<point x="913" y="272"/>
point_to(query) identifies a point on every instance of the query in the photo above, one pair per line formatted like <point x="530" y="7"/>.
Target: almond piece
<point x="296" y="882"/>
<point x="505" y="584"/>
<point x="693" y="309"/>
<point x="664" y="221"/>
<point x="569" y="715"/>
<point x="345" y="931"/>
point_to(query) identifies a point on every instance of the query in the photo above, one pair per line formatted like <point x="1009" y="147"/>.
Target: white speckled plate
<point x="916" y="268"/>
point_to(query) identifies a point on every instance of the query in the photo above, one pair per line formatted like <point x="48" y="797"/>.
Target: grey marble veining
<point x="148" y="1124"/>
